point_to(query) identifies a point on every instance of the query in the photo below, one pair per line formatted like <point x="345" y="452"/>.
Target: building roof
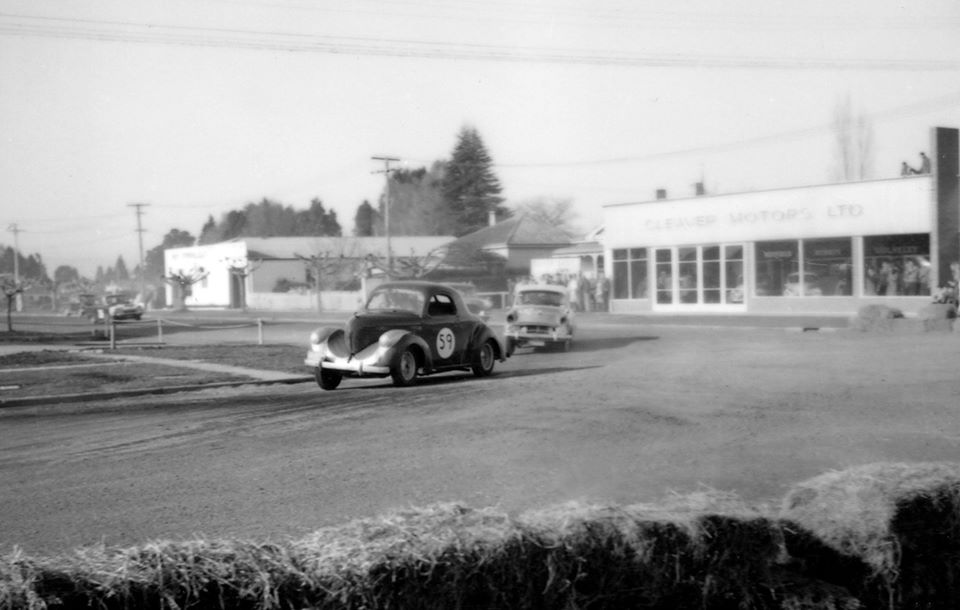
<point x="583" y="248"/>
<point x="518" y="231"/>
<point x="350" y="247"/>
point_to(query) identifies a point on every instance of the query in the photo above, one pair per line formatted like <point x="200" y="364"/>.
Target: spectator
<point x="573" y="291"/>
<point x="906" y="170"/>
<point x="911" y="277"/>
<point x="586" y="293"/>
<point x="924" y="163"/>
<point x="602" y="291"/>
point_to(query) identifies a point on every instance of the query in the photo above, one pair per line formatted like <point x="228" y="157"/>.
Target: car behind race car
<point x="406" y="329"/>
<point x="541" y="316"/>
<point x="117" y="306"/>
<point x="477" y="304"/>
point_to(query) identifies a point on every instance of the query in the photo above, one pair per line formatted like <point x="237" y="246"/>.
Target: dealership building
<point x="827" y="249"/>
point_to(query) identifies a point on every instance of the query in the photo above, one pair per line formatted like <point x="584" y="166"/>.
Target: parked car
<point x="406" y="329"/>
<point x="475" y="303"/>
<point x="541" y="316"/>
<point x="811" y="288"/>
<point x="116" y="306"/>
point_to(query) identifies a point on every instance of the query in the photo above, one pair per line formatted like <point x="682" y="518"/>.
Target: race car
<point x="406" y="329"/>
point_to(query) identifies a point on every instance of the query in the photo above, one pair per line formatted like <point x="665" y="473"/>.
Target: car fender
<point x="483" y="334"/>
<point x="398" y="340"/>
<point x="331" y="339"/>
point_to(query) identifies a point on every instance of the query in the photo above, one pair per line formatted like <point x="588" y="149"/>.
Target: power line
<point x="91" y="29"/>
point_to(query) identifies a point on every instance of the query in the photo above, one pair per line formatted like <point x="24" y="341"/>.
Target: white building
<point x="818" y="249"/>
<point x="270" y="272"/>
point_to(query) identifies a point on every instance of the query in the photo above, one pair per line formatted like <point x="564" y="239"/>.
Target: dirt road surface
<point x="632" y="413"/>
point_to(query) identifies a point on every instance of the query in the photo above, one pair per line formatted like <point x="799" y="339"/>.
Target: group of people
<point x="909" y="277"/>
<point x="907" y="170"/>
<point x="585" y="292"/>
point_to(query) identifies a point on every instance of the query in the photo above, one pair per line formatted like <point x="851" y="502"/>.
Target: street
<point x="632" y="413"/>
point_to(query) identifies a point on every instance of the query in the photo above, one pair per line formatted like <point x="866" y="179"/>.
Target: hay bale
<point x="681" y="554"/>
<point x="902" y="520"/>
<point x="872" y="318"/>
<point x="938" y="317"/>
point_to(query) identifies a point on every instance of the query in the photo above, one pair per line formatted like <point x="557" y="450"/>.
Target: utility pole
<point x="386" y="207"/>
<point x="139" y="207"/>
<point x="13" y="228"/>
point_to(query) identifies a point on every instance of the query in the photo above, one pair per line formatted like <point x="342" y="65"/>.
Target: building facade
<point x="821" y="249"/>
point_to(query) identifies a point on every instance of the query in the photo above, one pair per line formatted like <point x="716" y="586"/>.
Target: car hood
<point x="366" y="327"/>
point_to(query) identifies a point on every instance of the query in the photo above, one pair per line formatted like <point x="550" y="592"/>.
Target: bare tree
<point x="412" y="266"/>
<point x="331" y="264"/>
<point x="182" y="281"/>
<point x="854" y="140"/>
<point x="11" y="288"/>
<point x="552" y="212"/>
<point x="241" y="268"/>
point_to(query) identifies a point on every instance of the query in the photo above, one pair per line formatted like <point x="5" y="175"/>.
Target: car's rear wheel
<point x="405" y="371"/>
<point x="484" y="360"/>
<point x="327" y="379"/>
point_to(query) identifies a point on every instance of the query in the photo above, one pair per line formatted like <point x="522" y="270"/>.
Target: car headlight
<point x="512" y="316"/>
<point x="315" y="337"/>
<point x="563" y="320"/>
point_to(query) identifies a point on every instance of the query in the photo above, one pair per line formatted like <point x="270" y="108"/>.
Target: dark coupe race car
<point x="406" y="329"/>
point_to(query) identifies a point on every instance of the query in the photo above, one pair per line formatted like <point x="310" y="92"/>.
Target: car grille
<point x="363" y="337"/>
<point x="537" y="330"/>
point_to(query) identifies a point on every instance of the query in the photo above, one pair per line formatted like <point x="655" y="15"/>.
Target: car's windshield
<point x="540" y="297"/>
<point x="396" y="299"/>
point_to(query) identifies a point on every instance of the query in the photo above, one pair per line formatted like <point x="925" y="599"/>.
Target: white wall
<point x="215" y="260"/>
<point x="904" y="205"/>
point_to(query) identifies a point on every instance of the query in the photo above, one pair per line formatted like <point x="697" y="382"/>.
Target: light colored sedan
<point x="541" y="316"/>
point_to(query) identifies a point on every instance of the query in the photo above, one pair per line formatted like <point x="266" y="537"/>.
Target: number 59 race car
<point x="406" y="329"/>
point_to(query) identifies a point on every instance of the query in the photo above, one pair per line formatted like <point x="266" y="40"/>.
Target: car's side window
<point x="441" y="305"/>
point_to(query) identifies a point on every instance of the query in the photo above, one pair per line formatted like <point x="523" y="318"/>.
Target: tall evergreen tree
<point x="365" y="220"/>
<point x="416" y="202"/>
<point x="470" y="188"/>
<point x="120" y="270"/>
<point x="210" y="233"/>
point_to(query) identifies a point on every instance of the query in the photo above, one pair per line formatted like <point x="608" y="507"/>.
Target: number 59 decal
<point x="445" y="343"/>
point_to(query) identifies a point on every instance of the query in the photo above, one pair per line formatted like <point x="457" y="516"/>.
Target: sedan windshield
<point x="540" y="297"/>
<point x="396" y="299"/>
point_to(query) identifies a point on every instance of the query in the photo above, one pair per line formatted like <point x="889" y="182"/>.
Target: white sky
<point x="199" y="107"/>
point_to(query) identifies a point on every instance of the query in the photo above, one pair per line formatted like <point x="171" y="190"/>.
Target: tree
<point x="65" y="274"/>
<point x="120" y="272"/>
<point x="153" y="260"/>
<point x="322" y="267"/>
<point x="11" y="288"/>
<point x="470" y="189"/>
<point x="417" y="206"/>
<point x="854" y="140"/>
<point x="182" y="281"/>
<point x="241" y="268"/>
<point x="316" y="220"/>
<point x="557" y="213"/>
<point x="365" y="220"/>
<point x="210" y="233"/>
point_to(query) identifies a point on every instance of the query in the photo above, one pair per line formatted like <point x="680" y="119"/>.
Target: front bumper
<point x="523" y="333"/>
<point x="373" y="361"/>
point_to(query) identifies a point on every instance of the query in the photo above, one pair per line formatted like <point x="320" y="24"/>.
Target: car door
<point x="446" y="330"/>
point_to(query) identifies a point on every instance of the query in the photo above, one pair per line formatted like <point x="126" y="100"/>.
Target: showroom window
<point x="777" y="264"/>
<point x="630" y="273"/>
<point x="827" y="268"/>
<point x="896" y="265"/>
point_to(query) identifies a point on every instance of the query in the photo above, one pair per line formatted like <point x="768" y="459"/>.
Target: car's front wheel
<point x="327" y="379"/>
<point x="404" y="372"/>
<point x="484" y="360"/>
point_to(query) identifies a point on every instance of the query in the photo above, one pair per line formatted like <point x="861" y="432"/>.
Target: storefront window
<point x="711" y="274"/>
<point x="688" y="274"/>
<point x="733" y="255"/>
<point x="778" y="264"/>
<point x="664" y="276"/>
<point x="896" y="265"/>
<point x="630" y="273"/>
<point x="827" y="268"/>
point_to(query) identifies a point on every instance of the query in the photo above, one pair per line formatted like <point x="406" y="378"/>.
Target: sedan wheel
<point x="405" y="372"/>
<point x="484" y="360"/>
<point x="327" y="379"/>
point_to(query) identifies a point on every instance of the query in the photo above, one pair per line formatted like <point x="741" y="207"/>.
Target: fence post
<point x="259" y="331"/>
<point x="159" y="330"/>
<point x="113" y="334"/>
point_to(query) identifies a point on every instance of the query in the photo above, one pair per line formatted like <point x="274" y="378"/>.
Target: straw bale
<point x="902" y="520"/>
<point x="875" y="318"/>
